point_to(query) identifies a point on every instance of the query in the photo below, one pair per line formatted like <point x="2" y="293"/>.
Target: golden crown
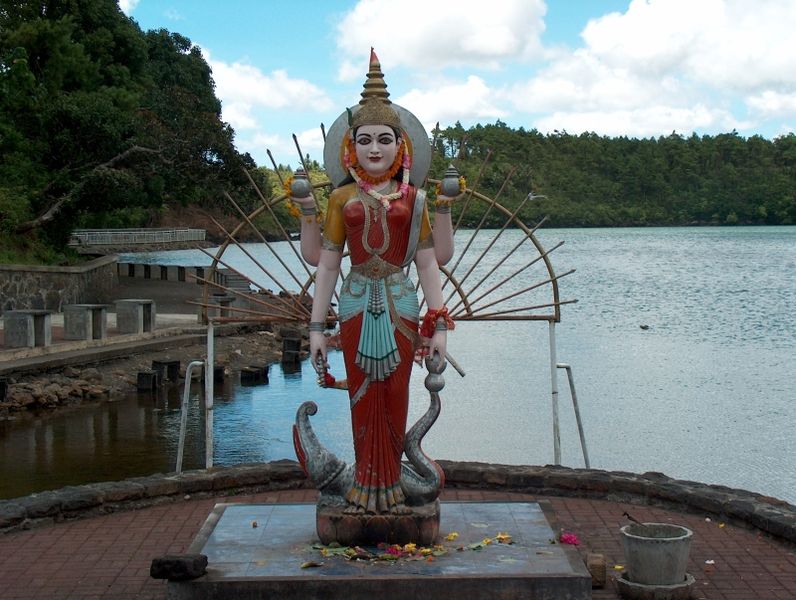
<point x="375" y="107"/>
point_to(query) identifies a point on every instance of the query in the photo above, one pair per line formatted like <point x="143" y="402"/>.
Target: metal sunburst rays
<point x="484" y="282"/>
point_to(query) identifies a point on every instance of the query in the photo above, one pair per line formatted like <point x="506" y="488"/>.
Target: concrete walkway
<point x="109" y="556"/>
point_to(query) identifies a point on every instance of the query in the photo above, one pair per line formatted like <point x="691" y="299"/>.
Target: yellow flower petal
<point x="452" y="536"/>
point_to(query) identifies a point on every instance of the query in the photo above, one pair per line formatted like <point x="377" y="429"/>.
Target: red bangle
<point x="429" y="323"/>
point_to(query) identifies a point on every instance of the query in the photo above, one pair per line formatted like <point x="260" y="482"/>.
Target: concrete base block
<point x="135" y="315"/>
<point x="148" y="380"/>
<point x="85" y="322"/>
<point x="639" y="591"/>
<point x="421" y="527"/>
<point x="168" y="369"/>
<point x="258" y="550"/>
<point x="27" y="328"/>
<point x="254" y="375"/>
<point x="173" y="273"/>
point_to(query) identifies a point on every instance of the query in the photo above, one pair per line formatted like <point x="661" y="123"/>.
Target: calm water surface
<point x="705" y="392"/>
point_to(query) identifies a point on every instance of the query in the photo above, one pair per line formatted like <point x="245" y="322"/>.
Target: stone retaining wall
<point x="769" y="515"/>
<point x="37" y="287"/>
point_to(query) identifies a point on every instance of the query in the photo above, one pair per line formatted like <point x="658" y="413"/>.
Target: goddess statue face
<point x="376" y="147"/>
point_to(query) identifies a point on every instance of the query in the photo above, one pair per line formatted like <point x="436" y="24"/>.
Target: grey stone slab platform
<point x="246" y="562"/>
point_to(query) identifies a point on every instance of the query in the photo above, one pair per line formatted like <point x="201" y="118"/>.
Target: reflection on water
<point x="137" y="435"/>
<point x="706" y="392"/>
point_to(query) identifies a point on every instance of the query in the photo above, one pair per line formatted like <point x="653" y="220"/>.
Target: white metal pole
<point x="209" y="368"/>
<point x="577" y="412"/>
<point x="186" y="395"/>
<point x="554" y="389"/>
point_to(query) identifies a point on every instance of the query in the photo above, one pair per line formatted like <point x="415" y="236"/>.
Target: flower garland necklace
<point x="366" y="182"/>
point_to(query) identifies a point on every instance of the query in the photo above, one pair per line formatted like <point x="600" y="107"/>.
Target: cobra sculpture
<point x="421" y="480"/>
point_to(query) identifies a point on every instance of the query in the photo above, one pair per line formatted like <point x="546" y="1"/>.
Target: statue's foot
<point x="400" y="509"/>
<point x="354" y="509"/>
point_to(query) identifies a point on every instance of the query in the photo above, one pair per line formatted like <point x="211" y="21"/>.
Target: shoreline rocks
<point x="236" y="347"/>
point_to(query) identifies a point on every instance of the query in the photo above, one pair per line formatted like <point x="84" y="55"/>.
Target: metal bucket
<point x="656" y="553"/>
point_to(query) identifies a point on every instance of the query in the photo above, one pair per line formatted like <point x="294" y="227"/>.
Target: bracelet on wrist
<point x="442" y="209"/>
<point x="317" y="326"/>
<point x="431" y="321"/>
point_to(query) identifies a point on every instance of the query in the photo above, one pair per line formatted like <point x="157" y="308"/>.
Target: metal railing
<point x="115" y="237"/>
<point x="208" y="366"/>
<point x="577" y="412"/>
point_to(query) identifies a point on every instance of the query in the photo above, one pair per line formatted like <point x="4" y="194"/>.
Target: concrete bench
<point x="135" y="315"/>
<point x="218" y="306"/>
<point x="85" y="321"/>
<point x="27" y="328"/>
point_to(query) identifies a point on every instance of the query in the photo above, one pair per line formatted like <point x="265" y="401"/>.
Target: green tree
<point x="101" y="124"/>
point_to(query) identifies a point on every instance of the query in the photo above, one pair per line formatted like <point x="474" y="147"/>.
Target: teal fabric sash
<point x="377" y="353"/>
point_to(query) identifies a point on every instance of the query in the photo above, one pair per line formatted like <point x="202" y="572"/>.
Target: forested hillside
<point x="591" y="180"/>
<point x="102" y="125"/>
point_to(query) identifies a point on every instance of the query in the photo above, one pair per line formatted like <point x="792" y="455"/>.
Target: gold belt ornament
<point x="376" y="268"/>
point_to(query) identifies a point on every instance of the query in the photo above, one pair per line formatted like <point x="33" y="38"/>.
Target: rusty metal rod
<point x="285" y="234"/>
<point x="482" y="221"/>
<point x="256" y="262"/>
<point x="524" y="290"/>
<point x="276" y="169"/>
<point x="288" y="316"/>
<point x="289" y="308"/>
<point x="513" y="275"/>
<point x="307" y="171"/>
<point x="472" y="190"/>
<point x="503" y="314"/>
<point x="501" y="261"/>
<point x="481" y="256"/>
<point x="240" y="309"/>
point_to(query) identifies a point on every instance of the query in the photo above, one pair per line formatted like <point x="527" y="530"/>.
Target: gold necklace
<point x="378" y="211"/>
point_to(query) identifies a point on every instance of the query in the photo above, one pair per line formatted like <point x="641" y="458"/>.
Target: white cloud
<point x="440" y="34"/>
<point x="668" y="65"/>
<point x="639" y="122"/>
<point x="172" y="15"/>
<point x="467" y="101"/>
<point x="282" y="147"/>
<point x="128" y="6"/>
<point x="243" y="89"/>
<point x="581" y="82"/>
<point x="724" y="43"/>
<point x="771" y="104"/>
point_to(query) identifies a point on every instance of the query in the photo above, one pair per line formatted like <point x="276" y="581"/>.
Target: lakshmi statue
<point x="377" y="154"/>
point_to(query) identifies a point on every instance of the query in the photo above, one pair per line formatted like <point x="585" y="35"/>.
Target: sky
<point x="637" y="68"/>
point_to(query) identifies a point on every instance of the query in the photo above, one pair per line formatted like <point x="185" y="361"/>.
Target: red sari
<point x="379" y="402"/>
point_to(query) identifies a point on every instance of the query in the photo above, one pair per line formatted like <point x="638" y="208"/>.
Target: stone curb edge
<point x="766" y="514"/>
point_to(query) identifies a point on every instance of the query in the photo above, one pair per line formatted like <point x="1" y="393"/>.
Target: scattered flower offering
<point x="567" y="537"/>
<point x="408" y="552"/>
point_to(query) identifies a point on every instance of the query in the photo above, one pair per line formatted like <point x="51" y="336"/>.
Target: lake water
<point x="706" y="391"/>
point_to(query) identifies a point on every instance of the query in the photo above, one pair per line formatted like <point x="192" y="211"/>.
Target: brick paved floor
<point x="109" y="556"/>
